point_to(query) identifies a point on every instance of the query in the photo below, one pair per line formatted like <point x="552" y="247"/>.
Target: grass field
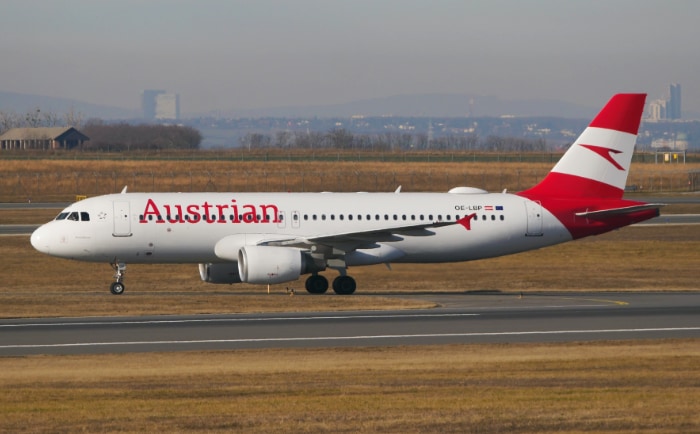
<point x="62" y="180"/>
<point x="640" y="387"/>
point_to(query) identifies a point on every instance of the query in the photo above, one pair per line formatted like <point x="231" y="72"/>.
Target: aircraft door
<point x="296" y="219"/>
<point x="534" y="218"/>
<point x="122" y="219"/>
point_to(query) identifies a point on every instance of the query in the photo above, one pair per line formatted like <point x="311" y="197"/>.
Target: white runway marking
<point x="348" y="338"/>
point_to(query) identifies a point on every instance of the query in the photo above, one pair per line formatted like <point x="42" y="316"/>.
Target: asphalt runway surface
<point x="461" y="318"/>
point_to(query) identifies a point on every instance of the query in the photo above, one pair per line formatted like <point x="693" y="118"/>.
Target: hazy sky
<point x="267" y="53"/>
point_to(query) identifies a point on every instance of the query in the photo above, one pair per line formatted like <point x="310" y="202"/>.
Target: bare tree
<point x="50" y="119"/>
<point x="8" y="120"/>
<point x="73" y="118"/>
<point x="32" y="118"/>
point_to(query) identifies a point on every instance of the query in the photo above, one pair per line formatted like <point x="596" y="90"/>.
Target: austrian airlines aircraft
<point x="267" y="238"/>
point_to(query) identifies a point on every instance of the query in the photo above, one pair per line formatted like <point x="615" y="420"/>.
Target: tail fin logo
<point x="606" y="153"/>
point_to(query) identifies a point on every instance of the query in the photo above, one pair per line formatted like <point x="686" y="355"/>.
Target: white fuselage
<point x="186" y="227"/>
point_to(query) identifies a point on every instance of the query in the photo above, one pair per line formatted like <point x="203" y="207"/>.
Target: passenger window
<point x="502" y="218"/>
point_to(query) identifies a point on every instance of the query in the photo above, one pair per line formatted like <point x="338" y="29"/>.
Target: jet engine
<point x="219" y="273"/>
<point x="272" y="264"/>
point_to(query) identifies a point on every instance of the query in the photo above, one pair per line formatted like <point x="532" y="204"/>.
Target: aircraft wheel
<point x="316" y="284"/>
<point x="117" y="288"/>
<point x="344" y="285"/>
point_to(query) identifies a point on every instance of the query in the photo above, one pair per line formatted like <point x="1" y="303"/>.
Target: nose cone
<point x="40" y="239"/>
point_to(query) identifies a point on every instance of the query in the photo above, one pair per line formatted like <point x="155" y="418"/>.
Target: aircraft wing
<point x="348" y="241"/>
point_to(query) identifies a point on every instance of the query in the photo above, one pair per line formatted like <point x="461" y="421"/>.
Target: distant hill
<point x="426" y="105"/>
<point x="418" y="105"/>
<point x="22" y="103"/>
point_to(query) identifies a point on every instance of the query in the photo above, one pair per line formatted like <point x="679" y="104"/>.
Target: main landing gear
<point x="117" y="287"/>
<point x="342" y="285"/>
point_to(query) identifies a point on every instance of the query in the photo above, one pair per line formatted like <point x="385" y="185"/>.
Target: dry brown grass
<point x="62" y="180"/>
<point x="634" y="258"/>
<point x="640" y="387"/>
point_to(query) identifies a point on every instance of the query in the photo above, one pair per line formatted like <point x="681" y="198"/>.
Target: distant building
<point x="148" y="102"/>
<point x="159" y="104"/>
<point x="168" y="106"/>
<point x="657" y="110"/>
<point x="677" y="143"/>
<point x="673" y="108"/>
<point x="42" y="138"/>
<point x="666" y="109"/>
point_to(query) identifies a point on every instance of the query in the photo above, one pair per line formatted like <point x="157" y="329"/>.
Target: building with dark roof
<point x="42" y="138"/>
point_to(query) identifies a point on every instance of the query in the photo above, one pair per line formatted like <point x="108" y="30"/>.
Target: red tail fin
<point x="598" y="162"/>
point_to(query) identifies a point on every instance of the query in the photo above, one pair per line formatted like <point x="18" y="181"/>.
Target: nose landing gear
<point x="117" y="287"/>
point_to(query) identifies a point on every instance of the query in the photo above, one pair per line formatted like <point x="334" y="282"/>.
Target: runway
<point x="462" y="318"/>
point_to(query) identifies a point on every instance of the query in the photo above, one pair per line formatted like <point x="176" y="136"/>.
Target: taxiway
<point x="462" y="318"/>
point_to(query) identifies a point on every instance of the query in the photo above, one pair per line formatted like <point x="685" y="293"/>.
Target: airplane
<point x="271" y="238"/>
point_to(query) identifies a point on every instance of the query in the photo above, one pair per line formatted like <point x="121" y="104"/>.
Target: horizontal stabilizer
<point x="604" y="213"/>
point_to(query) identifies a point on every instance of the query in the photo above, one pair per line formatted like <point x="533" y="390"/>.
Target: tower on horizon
<point x="673" y="108"/>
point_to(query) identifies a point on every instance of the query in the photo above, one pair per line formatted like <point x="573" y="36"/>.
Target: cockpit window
<point x="74" y="216"/>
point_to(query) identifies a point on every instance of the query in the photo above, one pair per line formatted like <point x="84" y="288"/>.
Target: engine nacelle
<point x="219" y="273"/>
<point x="272" y="264"/>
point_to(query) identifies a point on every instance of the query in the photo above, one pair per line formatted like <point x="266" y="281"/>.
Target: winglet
<point x="123" y="190"/>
